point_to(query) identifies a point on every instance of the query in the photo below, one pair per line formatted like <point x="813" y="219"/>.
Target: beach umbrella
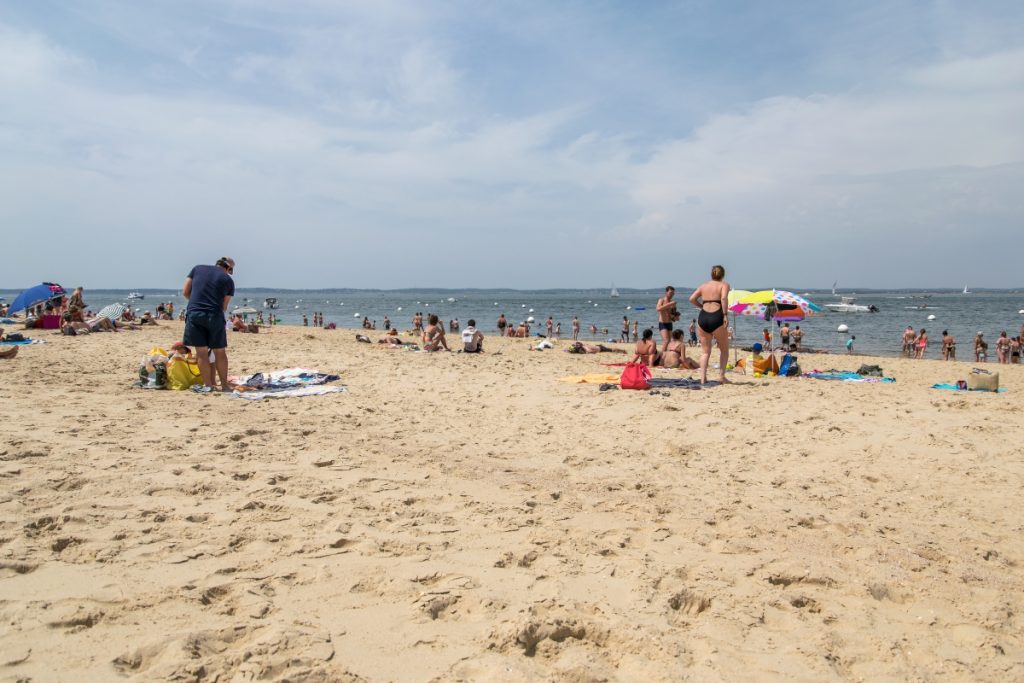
<point x="112" y="312"/>
<point x="245" y="310"/>
<point x="775" y="303"/>
<point x="36" y="295"/>
<point x="736" y="294"/>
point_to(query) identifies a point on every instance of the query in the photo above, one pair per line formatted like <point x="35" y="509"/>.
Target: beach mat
<point x="953" y="387"/>
<point x="24" y="342"/>
<point x="288" y="383"/>
<point x="292" y="392"/>
<point x="847" y="377"/>
<point x="591" y="378"/>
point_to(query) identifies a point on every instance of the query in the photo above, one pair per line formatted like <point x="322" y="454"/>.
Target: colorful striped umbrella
<point x="778" y="304"/>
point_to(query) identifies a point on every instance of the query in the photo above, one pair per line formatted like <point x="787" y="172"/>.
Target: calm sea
<point x="876" y="333"/>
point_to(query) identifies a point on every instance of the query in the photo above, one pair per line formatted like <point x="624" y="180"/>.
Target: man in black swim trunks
<point x="502" y="324"/>
<point x="667" y="314"/>
<point x="208" y="290"/>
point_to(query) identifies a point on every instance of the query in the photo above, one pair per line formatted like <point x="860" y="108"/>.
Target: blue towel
<point x="847" y="377"/>
<point x="953" y="387"/>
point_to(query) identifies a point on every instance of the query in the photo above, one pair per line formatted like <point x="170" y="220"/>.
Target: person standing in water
<point x="712" y="298"/>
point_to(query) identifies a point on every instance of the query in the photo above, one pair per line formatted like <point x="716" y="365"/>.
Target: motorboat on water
<point x="270" y="302"/>
<point x="848" y="304"/>
<point x="136" y="295"/>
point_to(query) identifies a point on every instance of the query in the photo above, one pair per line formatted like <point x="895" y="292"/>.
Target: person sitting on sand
<point x="522" y="331"/>
<point x="237" y="323"/>
<point x="646" y="350"/>
<point x="9" y="353"/>
<point x="433" y="335"/>
<point x="472" y="339"/>
<point x="674" y="355"/>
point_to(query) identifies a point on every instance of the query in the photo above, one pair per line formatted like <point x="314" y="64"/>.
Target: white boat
<point x="615" y="293"/>
<point x="834" y="287"/>
<point x="966" y="291"/>
<point x="848" y="304"/>
<point x="136" y="295"/>
<point x="270" y="302"/>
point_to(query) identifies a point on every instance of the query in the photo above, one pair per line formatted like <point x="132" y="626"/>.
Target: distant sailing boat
<point x="966" y="291"/>
<point x="615" y="292"/>
<point x="834" y="287"/>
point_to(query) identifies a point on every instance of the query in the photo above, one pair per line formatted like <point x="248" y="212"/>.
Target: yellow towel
<point x="591" y="378"/>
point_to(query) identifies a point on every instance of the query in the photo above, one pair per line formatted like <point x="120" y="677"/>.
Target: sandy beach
<point x="470" y="517"/>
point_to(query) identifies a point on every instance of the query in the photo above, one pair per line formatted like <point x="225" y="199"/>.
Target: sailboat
<point x="615" y="292"/>
<point x="966" y="291"/>
<point x="834" y="287"/>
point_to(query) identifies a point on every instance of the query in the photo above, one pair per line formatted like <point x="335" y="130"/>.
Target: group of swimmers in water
<point x="1008" y="348"/>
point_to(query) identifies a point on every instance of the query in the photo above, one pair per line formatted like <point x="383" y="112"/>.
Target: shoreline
<point x="478" y="516"/>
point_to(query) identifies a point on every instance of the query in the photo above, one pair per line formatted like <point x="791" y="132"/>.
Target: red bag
<point x="635" y="376"/>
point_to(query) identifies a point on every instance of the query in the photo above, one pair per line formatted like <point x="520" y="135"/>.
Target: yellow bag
<point x="182" y="374"/>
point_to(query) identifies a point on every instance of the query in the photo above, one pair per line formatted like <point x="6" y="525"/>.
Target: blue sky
<point x="531" y="144"/>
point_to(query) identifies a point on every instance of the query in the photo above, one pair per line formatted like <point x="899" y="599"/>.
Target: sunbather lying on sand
<point x="97" y="324"/>
<point x="580" y="347"/>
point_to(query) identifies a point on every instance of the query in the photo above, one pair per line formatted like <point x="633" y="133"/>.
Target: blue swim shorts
<point x="205" y="329"/>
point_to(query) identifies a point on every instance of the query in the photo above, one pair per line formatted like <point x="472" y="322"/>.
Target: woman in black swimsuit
<point x="712" y="298"/>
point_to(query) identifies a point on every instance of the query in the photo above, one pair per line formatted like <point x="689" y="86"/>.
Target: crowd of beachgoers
<point x="710" y="330"/>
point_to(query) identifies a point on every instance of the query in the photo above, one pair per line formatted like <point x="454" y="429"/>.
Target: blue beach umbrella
<point x="36" y="295"/>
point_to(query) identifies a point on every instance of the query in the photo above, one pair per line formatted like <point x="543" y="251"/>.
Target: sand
<point x="458" y="517"/>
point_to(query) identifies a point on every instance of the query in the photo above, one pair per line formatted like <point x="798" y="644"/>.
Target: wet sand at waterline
<point x="464" y="517"/>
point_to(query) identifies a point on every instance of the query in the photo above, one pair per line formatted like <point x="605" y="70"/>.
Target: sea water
<point x="990" y="311"/>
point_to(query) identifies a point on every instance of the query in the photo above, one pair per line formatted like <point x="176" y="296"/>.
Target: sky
<point x="534" y="144"/>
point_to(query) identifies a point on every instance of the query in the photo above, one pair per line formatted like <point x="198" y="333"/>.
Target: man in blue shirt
<point x="208" y="290"/>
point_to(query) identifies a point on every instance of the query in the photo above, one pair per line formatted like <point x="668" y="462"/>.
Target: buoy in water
<point x="399" y="308"/>
<point x="628" y="308"/>
<point x="931" y="317"/>
<point x="530" y="311"/>
<point x="843" y="329"/>
<point x="1020" y="312"/>
<point x="530" y="319"/>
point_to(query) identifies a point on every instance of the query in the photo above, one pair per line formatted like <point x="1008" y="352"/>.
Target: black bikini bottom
<point x="709" y="322"/>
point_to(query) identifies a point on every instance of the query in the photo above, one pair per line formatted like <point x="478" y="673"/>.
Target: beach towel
<point x="591" y="378"/>
<point x="846" y="377"/>
<point x="313" y="390"/>
<point x="677" y="383"/>
<point x="22" y="342"/>
<point x="953" y="387"/>
<point x="282" y="379"/>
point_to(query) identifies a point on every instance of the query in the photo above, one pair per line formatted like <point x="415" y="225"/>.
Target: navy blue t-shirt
<point x="210" y="284"/>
